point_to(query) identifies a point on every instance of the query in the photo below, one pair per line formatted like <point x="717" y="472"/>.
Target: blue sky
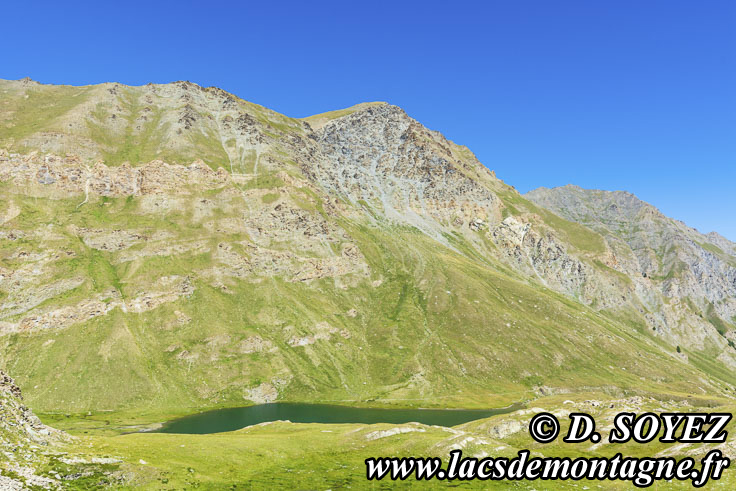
<point x="633" y="95"/>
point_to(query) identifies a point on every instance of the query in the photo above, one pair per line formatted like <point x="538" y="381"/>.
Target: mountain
<point x="170" y="248"/>
<point x="686" y="280"/>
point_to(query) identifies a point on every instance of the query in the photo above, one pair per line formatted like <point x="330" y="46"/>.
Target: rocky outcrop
<point x="164" y="290"/>
<point x="267" y="391"/>
<point x="36" y="456"/>
<point x="22" y="435"/>
<point x="541" y="256"/>
<point x="50" y="175"/>
<point x="18" y="419"/>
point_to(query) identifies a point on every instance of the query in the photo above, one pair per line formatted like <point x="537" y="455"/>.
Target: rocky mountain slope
<point x="208" y="251"/>
<point x="685" y="276"/>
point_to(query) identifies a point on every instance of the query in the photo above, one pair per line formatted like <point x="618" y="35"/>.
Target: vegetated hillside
<point x="36" y="456"/>
<point x="169" y="247"/>
<point x="258" y="456"/>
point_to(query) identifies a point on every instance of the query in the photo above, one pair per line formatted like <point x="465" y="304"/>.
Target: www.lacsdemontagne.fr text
<point x="642" y="472"/>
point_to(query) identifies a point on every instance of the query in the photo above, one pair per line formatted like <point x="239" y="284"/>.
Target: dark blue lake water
<point x="235" y="418"/>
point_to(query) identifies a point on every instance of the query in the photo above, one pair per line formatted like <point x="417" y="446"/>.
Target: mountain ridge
<point x="543" y="189"/>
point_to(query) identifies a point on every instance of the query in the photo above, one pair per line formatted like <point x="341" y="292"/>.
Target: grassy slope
<point x="259" y="457"/>
<point x="23" y="113"/>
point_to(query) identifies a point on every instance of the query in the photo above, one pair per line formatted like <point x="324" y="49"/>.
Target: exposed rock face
<point x="267" y="391"/>
<point x="8" y="385"/>
<point x="380" y="156"/>
<point x="23" y="422"/>
<point x="541" y="256"/>
<point x="69" y="176"/>
<point x="505" y="429"/>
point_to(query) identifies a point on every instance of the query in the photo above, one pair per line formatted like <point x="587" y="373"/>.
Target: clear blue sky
<point x="633" y="95"/>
